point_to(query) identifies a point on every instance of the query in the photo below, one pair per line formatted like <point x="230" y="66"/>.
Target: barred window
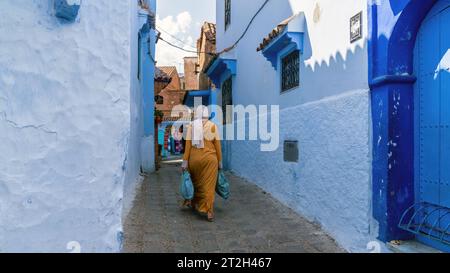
<point x="227" y="99"/>
<point x="227" y="13"/>
<point x="290" y="74"/>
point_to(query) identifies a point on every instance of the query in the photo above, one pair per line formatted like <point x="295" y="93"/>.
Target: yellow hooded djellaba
<point x="203" y="158"/>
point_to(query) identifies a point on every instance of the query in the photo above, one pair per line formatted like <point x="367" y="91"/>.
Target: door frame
<point x="393" y="27"/>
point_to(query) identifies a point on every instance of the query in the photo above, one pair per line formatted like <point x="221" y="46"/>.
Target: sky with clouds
<point x="181" y="19"/>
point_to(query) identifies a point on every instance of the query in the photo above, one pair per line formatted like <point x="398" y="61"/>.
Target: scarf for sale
<point x="201" y="113"/>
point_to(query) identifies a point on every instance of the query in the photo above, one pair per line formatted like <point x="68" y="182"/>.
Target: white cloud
<point x="184" y="20"/>
<point x="180" y="27"/>
<point x="180" y="24"/>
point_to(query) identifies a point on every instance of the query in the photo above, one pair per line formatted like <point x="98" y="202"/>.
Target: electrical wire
<point x="150" y="52"/>
<point x="174" y="37"/>
<point x="224" y="50"/>
<point x="152" y="58"/>
<point x="246" y="29"/>
<point x="185" y="50"/>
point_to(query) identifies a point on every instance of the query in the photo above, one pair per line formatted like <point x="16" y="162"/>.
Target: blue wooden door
<point x="432" y="126"/>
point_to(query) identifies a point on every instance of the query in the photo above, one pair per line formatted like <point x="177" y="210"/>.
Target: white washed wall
<point x="328" y="114"/>
<point x="64" y="125"/>
<point x="141" y="148"/>
<point x="133" y="179"/>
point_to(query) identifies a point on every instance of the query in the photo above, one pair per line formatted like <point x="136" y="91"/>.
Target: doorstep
<point x="410" y="247"/>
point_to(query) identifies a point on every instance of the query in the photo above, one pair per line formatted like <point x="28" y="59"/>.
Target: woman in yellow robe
<point x="203" y="159"/>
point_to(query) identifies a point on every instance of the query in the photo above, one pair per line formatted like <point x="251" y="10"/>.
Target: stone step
<point x="410" y="247"/>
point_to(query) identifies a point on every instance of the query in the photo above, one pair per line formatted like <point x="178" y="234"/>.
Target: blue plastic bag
<point x="186" y="186"/>
<point x="222" y="186"/>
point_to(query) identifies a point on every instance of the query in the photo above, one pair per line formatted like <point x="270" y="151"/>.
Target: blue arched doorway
<point x="393" y="29"/>
<point x="432" y="130"/>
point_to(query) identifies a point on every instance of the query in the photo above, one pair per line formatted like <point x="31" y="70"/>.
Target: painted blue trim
<point x="214" y="107"/>
<point x="199" y="93"/>
<point x="65" y="11"/>
<point x="393" y="79"/>
<point x="393" y="26"/>
<point x="204" y="94"/>
<point x="209" y="96"/>
<point x="221" y="69"/>
<point x="292" y="40"/>
<point x="147" y="53"/>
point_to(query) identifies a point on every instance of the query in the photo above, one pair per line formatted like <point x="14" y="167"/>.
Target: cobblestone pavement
<point x="250" y="221"/>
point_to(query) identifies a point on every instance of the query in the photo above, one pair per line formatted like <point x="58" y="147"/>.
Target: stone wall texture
<point x="65" y="124"/>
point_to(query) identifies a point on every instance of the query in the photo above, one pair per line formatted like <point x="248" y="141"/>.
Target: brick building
<point x="191" y="73"/>
<point x="162" y="80"/>
<point x="206" y="48"/>
<point x="172" y="72"/>
<point x="171" y="95"/>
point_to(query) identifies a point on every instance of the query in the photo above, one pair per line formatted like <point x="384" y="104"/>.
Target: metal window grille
<point x="227" y="13"/>
<point x="227" y="99"/>
<point x="290" y="73"/>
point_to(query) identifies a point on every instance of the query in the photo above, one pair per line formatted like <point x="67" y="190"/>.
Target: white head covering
<point x="197" y="129"/>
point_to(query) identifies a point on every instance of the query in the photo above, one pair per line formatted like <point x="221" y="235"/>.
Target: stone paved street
<point x="251" y="221"/>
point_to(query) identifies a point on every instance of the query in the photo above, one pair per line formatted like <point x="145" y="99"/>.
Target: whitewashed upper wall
<point x="330" y="64"/>
<point x="64" y="125"/>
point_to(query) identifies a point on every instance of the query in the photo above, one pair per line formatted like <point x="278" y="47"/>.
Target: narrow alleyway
<point x="251" y="221"/>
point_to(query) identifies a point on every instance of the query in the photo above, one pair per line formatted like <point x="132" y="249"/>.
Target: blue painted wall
<point x="328" y="114"/>
<point x="393" y="26"/>
<point x="64" y="123"/>
<point x="148" y="46"/>
<point x="147" y="74"/>
<point x="140" y="155"/>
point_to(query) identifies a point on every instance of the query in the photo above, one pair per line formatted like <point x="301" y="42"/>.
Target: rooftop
<point x="210" y="31"/>
<point x="161" y="75"/>
<point x="169" y="70"/>
<point x="275" y="32"/>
